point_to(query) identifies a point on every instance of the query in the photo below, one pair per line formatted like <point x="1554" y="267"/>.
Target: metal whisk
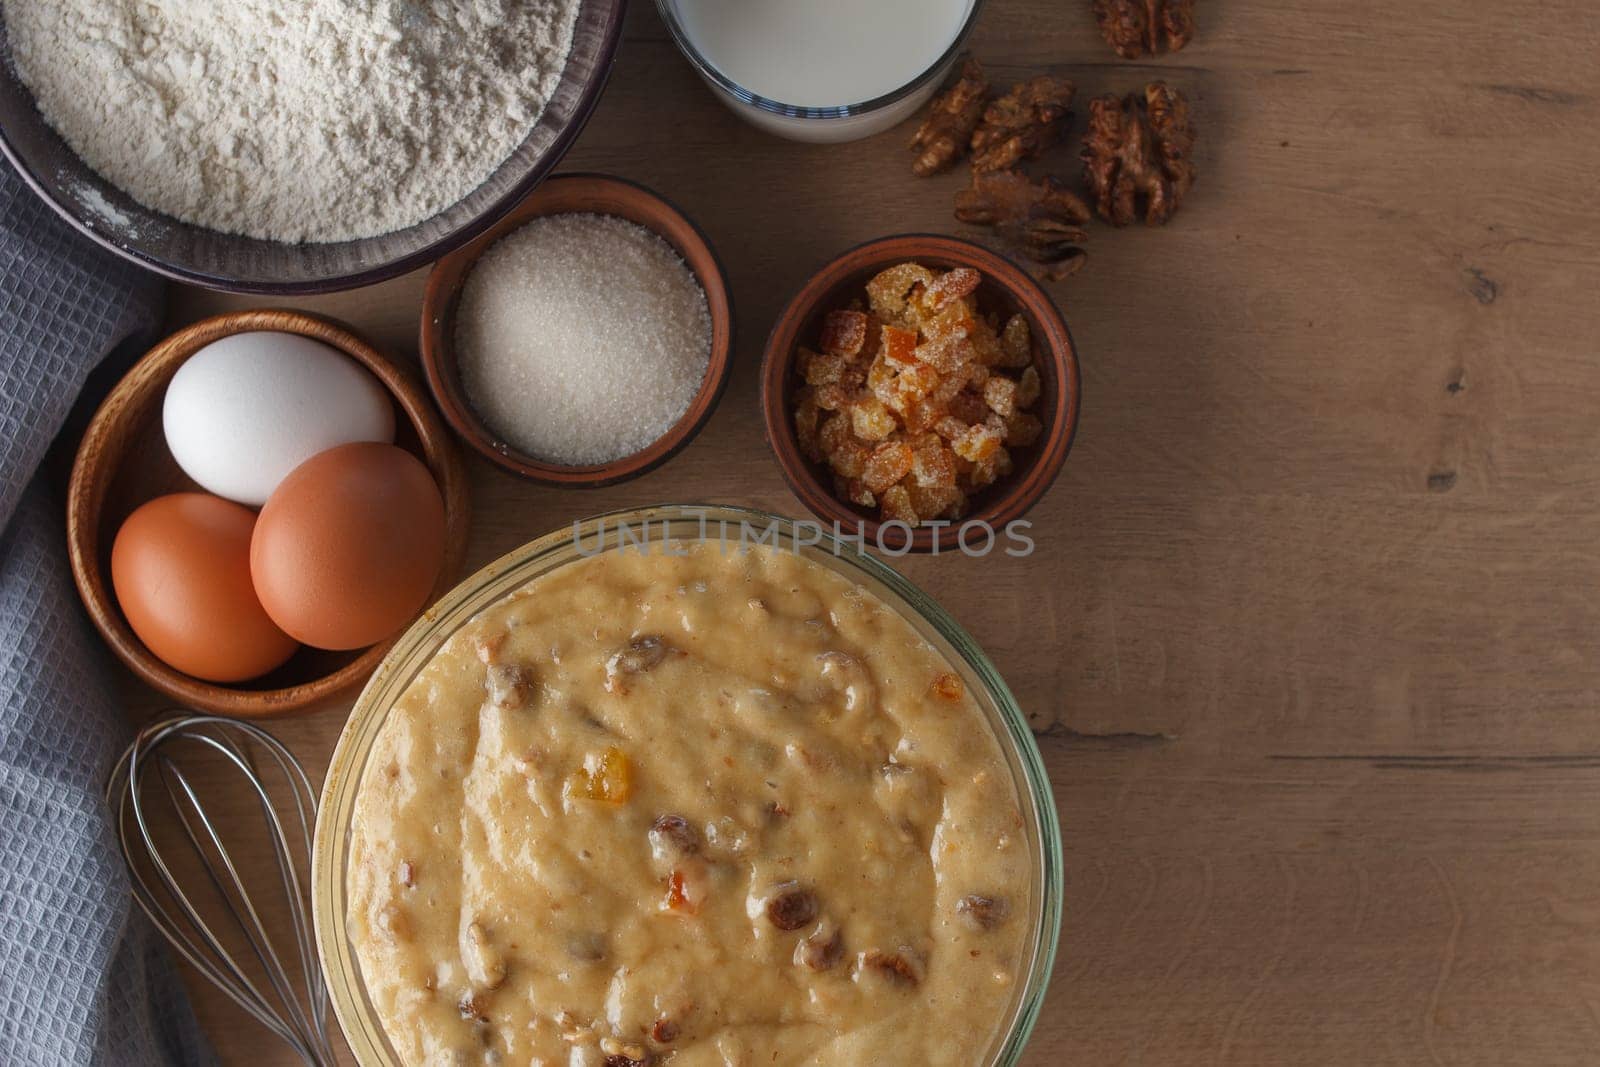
<point x="153" y="788"/>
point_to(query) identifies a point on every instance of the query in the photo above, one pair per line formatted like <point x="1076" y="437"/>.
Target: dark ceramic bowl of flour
<point x="218" y="260"/>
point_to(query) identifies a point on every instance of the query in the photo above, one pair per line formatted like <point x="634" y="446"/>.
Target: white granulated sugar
<point x="581" y="338"/>
<point x="292" y="120"/>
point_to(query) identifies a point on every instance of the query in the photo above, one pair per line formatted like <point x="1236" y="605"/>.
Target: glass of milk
<point x="821" y="70"/>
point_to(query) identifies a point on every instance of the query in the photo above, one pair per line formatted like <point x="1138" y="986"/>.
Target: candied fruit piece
<point x="986" y="472"/>
<point x="870" y="420"/>
<point x="887" y="293"/>
<point x="932" y="463"/>
<point x="920" y="415"/>
<point x="978" y="443"/>
<point x="889" y="395"/>
<point x="608" y="778"/>
<point x="835" y="431"/>
<point x="820" y="368"/>
<point x="976" y="375"/>
<point x="1000" y="394"/>
<point x="1016" y="343"/>
<point x="899" y="346"/>
<point x="880" y="375"/>
<point x="1022" y="430"/>
<point x="854" y="491"/>
<point x="889" y="462"/>
<point x="807" y="416"/>
<point x="952" y="285"/>
<point x="844" y="333"/>
<point x="1028" y="388"/>
<point x="953" y="318"/>
<point x="832" y="397"/>
<point x="969" y="407"/>
<point x="949" y="388"/>
<point x="948" y="687"/>
<point x="677" y="899"/>
<point x="849" y="458"/>
<point x="895" y="398"/>
<point x="950" y="427"/>
<point x="987" y="346"/>
<point x="917" y="380"/>
<point x="897" y="506"/>
<point x="947" y="354"/>
<point x="687" y="889"/>
<point x="934" y="501"/>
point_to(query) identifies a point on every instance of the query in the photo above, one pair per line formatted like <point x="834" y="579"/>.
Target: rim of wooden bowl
<point x="1055" y="354"/>
<point x="567" y="193"/>
<point x="104" y="447"/>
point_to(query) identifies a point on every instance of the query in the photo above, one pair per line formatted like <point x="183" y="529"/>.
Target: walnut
<point x="1043" y="219"/>
<point x="943" y="136"/>
<point x="1022" y="123"/>
<point x="1139" y="146"/>
<point x="1135" y="28"/>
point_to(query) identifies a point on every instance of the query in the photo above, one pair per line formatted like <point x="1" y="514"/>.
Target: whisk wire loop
<point x="297" y="1017"/>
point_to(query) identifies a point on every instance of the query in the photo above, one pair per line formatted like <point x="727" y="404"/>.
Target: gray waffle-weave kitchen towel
<point x="84" y="978"/>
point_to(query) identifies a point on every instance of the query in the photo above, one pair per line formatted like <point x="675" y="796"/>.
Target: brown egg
<point x="348" y="546"/>
<point x="180" y="566"/>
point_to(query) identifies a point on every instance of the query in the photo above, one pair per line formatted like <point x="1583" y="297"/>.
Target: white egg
<point x="244" y="411"/>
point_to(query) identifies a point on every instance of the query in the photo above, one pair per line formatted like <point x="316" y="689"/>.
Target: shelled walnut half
<point x="943" y="137"/>
<point x="1023" y="123"/>
<point x="1138" y="148"/>
<point x="1044" y="219"/>
<point x="1135" y="28"/>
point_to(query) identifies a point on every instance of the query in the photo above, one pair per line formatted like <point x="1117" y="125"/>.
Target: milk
<point x="821" y="54"/>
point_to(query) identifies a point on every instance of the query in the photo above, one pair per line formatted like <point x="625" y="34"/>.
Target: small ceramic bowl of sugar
<point x="585" y="338"/>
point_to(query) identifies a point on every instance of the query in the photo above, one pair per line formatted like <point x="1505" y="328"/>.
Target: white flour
<point x="292" y="120"/>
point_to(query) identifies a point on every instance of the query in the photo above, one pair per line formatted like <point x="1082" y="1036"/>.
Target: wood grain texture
<point x="1310" y="633"/>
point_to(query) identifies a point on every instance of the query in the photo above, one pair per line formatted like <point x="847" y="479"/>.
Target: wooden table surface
<point x="1309" y="638"/>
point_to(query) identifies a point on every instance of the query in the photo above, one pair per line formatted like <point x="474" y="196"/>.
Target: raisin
<point x="791" y="907"/>
<point x="895" y="966"/>
<point x="981" y="912"/>
<point x="821" y="949"/>
<point x="640" y="655"/>
<point x="510" y="685"/>
<point x="664" y="1032"/>
<point x="672" y="837"/>
<point x="621" y="1059"/>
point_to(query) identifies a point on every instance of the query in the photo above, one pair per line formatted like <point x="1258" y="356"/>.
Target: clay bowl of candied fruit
<point x="922" y="390"/>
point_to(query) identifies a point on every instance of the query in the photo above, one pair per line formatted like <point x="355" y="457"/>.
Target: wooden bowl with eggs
<point x="123" y="461"/>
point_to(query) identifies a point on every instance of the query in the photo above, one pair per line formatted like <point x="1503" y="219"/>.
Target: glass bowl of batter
<point x="687" y="785"/>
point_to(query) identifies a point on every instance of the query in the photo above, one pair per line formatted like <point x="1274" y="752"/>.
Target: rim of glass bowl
<point x="417" y="646"/>
<point x="709" y="71"/>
